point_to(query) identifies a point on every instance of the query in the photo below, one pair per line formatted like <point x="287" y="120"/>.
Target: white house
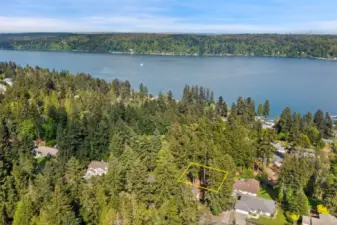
<point x="268" y="124"/>
<point x="3" y="88"/>
<point x="96" y="168"/>
<point x="254" y="206"/>
<point x="8" y="81"/>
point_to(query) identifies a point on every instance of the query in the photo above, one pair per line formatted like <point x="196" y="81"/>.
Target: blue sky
<point x="187" y="16"/>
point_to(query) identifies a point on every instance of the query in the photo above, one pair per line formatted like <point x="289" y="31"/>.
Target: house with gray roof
<point x="44" y="151"/>
<point x="8" y="81"/>
<point x="254" y="206"/>
<point x="3" y="88"/>
<point x="323" y="219"/>
<point x="96" y="168"/>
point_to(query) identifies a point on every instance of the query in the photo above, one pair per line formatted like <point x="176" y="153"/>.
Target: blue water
<point x="303" y="84"/>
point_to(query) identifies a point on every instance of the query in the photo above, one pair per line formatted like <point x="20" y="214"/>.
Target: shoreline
<point x="174" y="54"/>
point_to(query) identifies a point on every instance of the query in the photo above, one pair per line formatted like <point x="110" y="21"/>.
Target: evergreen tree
<point x="266" y="108"/>
<point x="212" y="98"/>
<point x="241" y="106"/>
<point x="319" y="121"/>
<point x="260" y="110"/>
<point x="169" y="96"/>
<point x="165" y="176"/>
<point x="58" y="211"/>
<point x="285" y="122"/>
<point x="328" y="126"/>
<point x="24" y="212"/>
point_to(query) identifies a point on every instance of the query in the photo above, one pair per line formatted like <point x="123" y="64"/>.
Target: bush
<point x="322" y="209"/>
<point x="292" y="217"/>
<point x="303" y="141"/>
<point x="320" y="145"/>
<point x="283" y="136"/>
<point x="51" y="143"/>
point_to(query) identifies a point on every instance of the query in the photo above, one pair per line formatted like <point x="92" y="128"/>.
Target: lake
<point x="303" y="84"/>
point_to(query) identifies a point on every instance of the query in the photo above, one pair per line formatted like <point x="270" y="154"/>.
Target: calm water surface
<point x="303" y="84"/>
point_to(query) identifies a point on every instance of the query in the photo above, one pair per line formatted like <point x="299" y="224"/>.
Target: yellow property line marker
<point x="197" y="186"/>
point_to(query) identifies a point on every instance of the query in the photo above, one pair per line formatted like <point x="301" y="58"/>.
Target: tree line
<point x="322" y="46"/>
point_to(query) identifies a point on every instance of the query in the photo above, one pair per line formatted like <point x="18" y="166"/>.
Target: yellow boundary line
<point x="211" y="168"/>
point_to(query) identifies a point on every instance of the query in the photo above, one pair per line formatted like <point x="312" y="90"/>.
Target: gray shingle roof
<point x="324" y="219"/>
<point x="98" y="164"/>
<point x="250" y="203"/>
<point x="44" y="150"/>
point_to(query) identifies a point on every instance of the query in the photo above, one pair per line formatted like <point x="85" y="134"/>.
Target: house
<point x="3" y="88"/>
<point x="43" y="151"/>
<point x="279" y="148"/>
<point x="247" y="187"/>
<point x="323" y="219"/>
<point x="328" y="141"/>
<point x="254" y="206"/>
<point x="8" y="81"/>
<point x="96" y="168"/>
<point x="268" y="124"/>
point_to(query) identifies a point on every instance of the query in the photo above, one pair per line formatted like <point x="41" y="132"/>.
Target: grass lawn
<point x="267" y="192"/>
<point x="279" y="220"/>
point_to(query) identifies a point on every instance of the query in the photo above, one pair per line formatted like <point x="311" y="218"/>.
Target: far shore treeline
<point x="281" y="45"/>
<point x="147" y="142"/>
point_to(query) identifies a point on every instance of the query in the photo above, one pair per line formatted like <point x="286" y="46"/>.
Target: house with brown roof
<point x="246" y="186"/>
<point x="96" y="168"/>
<point x="323" y="219"/>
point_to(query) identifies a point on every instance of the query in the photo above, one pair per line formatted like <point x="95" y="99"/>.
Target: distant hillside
<point x="318" y="46"/>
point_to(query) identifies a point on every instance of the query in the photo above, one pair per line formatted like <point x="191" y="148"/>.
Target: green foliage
<point x="320" y="145"/>
<point x="303" y="141"/>
<point x="148" y="142"/>
<point x="260" y="110"/>
<point x="242" y="44"/>
<point x="321" y="209"/>
<point x="266" y="108"/>
<point x="292" y="217"/>
<point x="247" y="173"/>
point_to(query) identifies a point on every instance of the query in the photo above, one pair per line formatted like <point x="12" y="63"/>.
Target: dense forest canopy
<point x="147" y="141"/>
<point x="322" y="46"/>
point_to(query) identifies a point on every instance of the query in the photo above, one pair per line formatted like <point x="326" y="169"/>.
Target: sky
<point x="170" y="16"/>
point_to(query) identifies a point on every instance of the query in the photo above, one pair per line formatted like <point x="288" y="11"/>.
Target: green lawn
<point x="279" y="220"/>
<point x="270" y="193"/>
<point x="267" y="192"/>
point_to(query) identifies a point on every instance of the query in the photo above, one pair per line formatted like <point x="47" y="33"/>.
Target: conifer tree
<point x="328" y="126"/>
<point x="260" y="110"/>
<point x="166" y="175"/>
<point x="24" y="212"/>
<point x="266" y="108"/>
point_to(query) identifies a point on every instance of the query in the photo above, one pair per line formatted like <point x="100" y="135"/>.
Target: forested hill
<point x="320" y="46"/>
<point x="147" y="142"/>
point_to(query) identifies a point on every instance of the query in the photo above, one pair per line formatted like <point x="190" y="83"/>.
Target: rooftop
<point x="98" y="165"/>
<point x="44" y="150"/>
<point x="279" y="148"/>
<point x="249" y="185"/>
<point x="324" y="219"/>
<point x="250" y="203"/>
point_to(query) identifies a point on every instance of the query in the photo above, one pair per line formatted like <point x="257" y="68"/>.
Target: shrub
<point x="292" y="217"/>
<point x="322" y="209"/>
